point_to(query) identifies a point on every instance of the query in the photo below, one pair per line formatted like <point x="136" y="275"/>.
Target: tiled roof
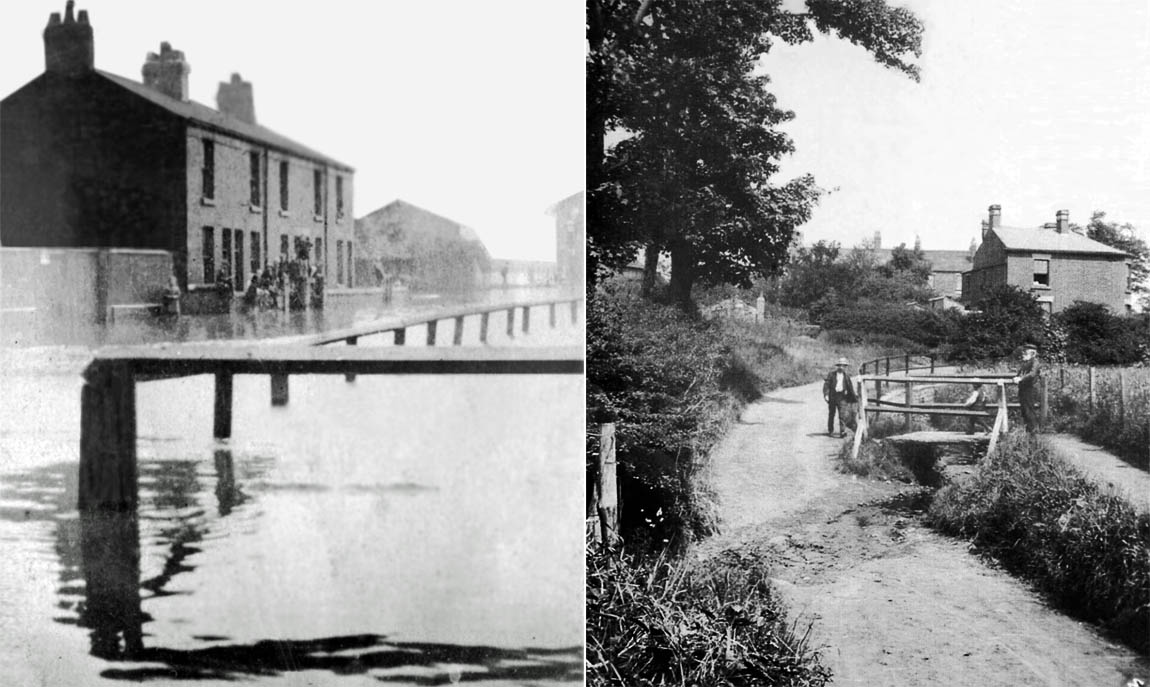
<point x="1049" y="241"/>
<point x="204" y="115"/>
<point x="948" y="260"/>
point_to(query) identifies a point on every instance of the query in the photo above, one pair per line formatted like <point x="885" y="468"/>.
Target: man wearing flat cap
<point x="1027" y="380"/>
<point x="838" y="391"/>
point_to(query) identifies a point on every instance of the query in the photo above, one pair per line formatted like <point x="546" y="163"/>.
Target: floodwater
<point x="393" y="530"/>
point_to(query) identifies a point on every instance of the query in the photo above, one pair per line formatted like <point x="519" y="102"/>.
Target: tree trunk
<point x="596" y="136"/>
<point x="650" y="267"/>
<point x="682" y="275"/>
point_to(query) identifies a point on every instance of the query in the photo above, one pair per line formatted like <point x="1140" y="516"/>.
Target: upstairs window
<point x="254" y="163"/>
<point x="350" y="266"/>
<point x="317" y="184"/>
<point x="284" y="185"/>
<point x="1041" y="272"/>
<point x="255" y="252"/>
<point x="208" y="188"/>
<point x="225" y="253"/>
<point x="338" y="197"/>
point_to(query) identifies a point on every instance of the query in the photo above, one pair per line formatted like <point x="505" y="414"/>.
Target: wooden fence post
<point x="608" y="485"/>
<point x="351" y="341"/>
<point x="1044" y="407"/>
<point x="457" y="339"/>
<point x="483" y="327"/>
<point x="510" y="323"/>
<point x="1061" y="378"/>
<point x="431" y="327"/>
<point x="1093" y="399"/>
<point x="107" y="478"/>
<point x="908" y="400"/>
<point x="222" y="424"/>
<point x="279" y="389"/>
<point x="1122" y="399"/>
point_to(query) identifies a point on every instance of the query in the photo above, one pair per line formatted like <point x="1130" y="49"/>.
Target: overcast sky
<point x="473" y="110"/>
<point x="1034" y="105"/>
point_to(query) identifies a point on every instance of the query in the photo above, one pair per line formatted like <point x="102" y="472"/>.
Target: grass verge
<point x="666" y="623"/>
<point x="1044" y="521"/>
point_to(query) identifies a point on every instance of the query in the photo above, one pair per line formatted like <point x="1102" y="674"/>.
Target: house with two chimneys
<point x="95" y="160"/>
<point x="1055" y="264"/>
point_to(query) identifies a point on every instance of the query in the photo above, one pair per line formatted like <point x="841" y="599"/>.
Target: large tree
<point x="698" y="142"/>
<point x="1124" y="238"/>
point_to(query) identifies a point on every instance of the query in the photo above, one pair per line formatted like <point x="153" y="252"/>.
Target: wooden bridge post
<point x="400" y="336"/>
<point x="222" y="422"/>
<point x="431" y="327"/>
<point x="908" y="400"/>
<point x="483" y="327"/>
<point x="526" y="318"/>
<point x="551" y="313"/>
<point x="608" y="485"/>
<point x="1044" y="402"/>
<point x="457" y="338"/>
<point x="279" y="389"/>
<point x="351" y="341"/>
<point x="108" y="439"/>
<point x="861" y="426"/>
<point x="510" y="323"/>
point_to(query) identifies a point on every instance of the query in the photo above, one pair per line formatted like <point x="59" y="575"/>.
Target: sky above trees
<point x="1033" y="105"/>
<point x="471" y="110"/>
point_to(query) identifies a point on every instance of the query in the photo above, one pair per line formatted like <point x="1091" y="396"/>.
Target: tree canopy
<point x="1124" y="238"/>
<point x="692" y="172"/>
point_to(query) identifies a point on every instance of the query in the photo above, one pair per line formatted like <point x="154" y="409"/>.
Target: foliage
<point x="927" y="328"/>
<point x="664" y="623"/>
<point x="1043" y="520"/>
<point x="1095" y="336"/>
<point x="822" y="279"/>
<point x="693" y="173"/>
<point x="1004" y="320"/>
<point x="1124" y="238"/>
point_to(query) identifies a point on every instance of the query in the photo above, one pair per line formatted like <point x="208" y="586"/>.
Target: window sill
<point x="285" y="213"/>
<point x="256" y="209"/>
<point x="1039" y="287"/>
<point x="318" y="218"/>
<point x="211" y="202"/>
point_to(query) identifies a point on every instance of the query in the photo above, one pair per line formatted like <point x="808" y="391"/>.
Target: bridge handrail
<point x="382" y="326"/>
<point x="905" y="357"/>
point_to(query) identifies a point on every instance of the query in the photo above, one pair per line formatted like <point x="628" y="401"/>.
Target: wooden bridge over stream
<point x="881" y="403"/>
<point x="108" y="470"/>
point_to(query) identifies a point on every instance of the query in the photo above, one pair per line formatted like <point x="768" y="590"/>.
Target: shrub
<point x="1095" y="336"/>
<point x="663" y="623"/>
<point x="1041" y="519"/>
<point x="928" y="328"/>
<point x="1005" y="320"/>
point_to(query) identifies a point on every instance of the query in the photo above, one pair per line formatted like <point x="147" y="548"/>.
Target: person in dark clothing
<point x="1027" y="380"/>
<point x="838" y="391"/>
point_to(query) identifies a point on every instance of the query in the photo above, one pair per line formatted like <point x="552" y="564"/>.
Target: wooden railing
<point x="878" y="364"/>
<point x="908" y="407"/>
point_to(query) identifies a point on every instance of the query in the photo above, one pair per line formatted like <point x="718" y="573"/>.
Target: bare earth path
<point x="893" y="603"/>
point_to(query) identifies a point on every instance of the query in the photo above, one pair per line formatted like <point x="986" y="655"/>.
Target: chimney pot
<point x="68" y="46"/>
<point x="235" y="98"/>
<point x="1063" y="223"/>
<point x="167" y="72"/>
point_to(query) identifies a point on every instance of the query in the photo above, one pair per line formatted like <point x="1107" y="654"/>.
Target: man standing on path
<point x="838" y="391"/>
<point x="1027" y="380"/>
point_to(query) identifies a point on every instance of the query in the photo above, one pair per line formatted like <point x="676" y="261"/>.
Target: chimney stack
<point x="995" y="217"/>
<point x="235" y="98"/>
<point x="878" y="240"/>
<point x="985" y="228"/>
<point x="1063" y="221"/>
<point x="68" y="47"/>
<point x="917" y="243"/>
<point x="167" y="72"/>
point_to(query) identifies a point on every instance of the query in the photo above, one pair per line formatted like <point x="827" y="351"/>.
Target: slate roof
<point x="214" y="119"/>
<point x="1049" y="241"/>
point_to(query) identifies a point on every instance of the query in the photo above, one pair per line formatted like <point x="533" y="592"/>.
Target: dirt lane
<point x="893" y="603"/>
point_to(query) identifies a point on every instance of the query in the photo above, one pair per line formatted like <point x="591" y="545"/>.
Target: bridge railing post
<point x="510" y="323"/>
<point x="222" y="421"/>
<point x="431" y="327"/>
<point x="457" y="337"/>
<point x="107" y="478"/>
<point x="351" y="341"/>
<point x="608" y="486"/>
<point x="483" y="319"/>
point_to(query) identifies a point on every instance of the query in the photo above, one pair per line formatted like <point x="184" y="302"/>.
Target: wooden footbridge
<point x="108" y="400"/>
<point x="882" y="403"/>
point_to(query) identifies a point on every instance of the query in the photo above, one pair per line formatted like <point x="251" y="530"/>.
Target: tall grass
<point x="1043" y="520"/>
<point x="666" y="623"/>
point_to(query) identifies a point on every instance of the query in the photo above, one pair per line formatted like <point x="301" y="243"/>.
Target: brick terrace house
<point x="92" y="159"/>
<point x="1055" y="264"/>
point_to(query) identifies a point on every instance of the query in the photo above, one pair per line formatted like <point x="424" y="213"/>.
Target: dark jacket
<point x="1028" y="375"/>
<point x="848" y="392"/>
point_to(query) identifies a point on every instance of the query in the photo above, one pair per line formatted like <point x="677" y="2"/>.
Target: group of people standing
<point x="840" y="395"/>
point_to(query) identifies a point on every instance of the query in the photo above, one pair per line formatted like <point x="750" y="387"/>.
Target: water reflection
<point x="110" y="550"/>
